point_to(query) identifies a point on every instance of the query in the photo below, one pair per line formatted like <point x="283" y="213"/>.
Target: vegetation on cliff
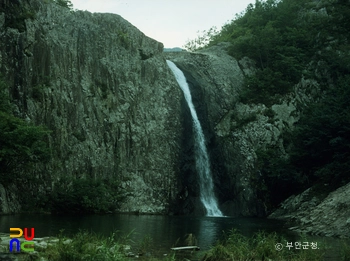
<point x="85" y="196"/>
<point x="16" y="12"/>
<point x="289" y="40"/>
<point x="22" y="144"/>
<point x="100" y="134"/>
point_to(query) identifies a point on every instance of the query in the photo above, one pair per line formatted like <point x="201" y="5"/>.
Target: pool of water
<point x="164" y="231"/>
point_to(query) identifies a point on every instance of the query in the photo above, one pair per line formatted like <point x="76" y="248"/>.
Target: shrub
<point x="16" y="13"/>
<point x="86" y="196"/>
<point x="85" y="246"/>
<point x="261" y="246"/>
<point x="345" y="252"/>
<point x="21" y="146"/>
<point x="64" y="3"/>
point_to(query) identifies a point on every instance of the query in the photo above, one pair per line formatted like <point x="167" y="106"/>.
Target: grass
<point x="86" y="246"/>
<point x="234" y="247"/>
<point x="261" y="246"/>
<point x="345" y="253"/>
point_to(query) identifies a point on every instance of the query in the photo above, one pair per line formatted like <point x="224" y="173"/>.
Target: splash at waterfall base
<point x="202" y="162"/>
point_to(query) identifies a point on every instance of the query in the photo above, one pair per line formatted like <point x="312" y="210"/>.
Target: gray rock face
<point x="116" y="111"/>
<point x="105" y="91"/>
<point x="214" y="79"/>
<point x="9" y="202"/>
<point x="236" y="131"/>
<point x="326" y="217"/>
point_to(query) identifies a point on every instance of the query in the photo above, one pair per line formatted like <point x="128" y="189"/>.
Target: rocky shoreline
<point x="39" y="245"/>
<point x="42" y="244"/>
<point x="325" y="216"/>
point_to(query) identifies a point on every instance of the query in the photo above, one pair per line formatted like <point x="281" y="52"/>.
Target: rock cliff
<point x="115" y="111"/>
<point x="235" y="131"/>
<point x="104" y="90"/>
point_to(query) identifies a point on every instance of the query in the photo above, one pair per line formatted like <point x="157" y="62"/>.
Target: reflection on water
<point x="165" y="231"/>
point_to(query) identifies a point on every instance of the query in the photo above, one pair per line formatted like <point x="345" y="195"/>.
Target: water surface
<point x="165" y="231"/>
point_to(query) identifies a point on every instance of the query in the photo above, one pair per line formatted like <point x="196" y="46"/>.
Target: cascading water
<point x="206" y="186"/>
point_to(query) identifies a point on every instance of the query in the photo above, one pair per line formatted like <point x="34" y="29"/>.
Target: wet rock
<point x="235" y="131"/>
<point x="327" y="217"/>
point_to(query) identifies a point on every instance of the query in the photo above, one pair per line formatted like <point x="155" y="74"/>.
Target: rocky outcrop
<point x="9" y="202"/>
<point x="309" y="213"/>
<point x="215" y="80"/>
<point x="104" y="90"/>
<point x="236" y="131"/>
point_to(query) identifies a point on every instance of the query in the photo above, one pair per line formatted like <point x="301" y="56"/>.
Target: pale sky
<point x="172" y="22"/>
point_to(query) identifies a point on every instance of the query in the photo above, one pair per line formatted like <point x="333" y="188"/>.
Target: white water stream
<point x="206" y="186"/>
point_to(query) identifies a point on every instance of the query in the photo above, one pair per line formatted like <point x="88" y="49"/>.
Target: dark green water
<point x="165" y="231"/>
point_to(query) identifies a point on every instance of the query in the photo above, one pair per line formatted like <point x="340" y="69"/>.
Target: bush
<point x="64" y="3"/>
<point x="86" y="196"/>
<point x="345" y="252"/>
<point x="85" y="246"/>
<point x="321" y="141"/>
<point x="21" y="146"/>
<point x="260" y="247"/>
<point x="16" y="13"/>
<point x="280" y="36"/>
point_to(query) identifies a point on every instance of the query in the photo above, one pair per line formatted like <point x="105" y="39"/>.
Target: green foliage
<point x="16" y="14"/>
<point x="272" y="34"/>
<point x="345" y="252"/>
<point x="260" y="247"/>
<point x="322" y="138"/>
<point x="124" y="38"/>
<point x="146" y="244"/>
<point x="279" y="180"/>
<point x="264" y="87"/>
<point x="318" y="149"/>
<point x="21" y="144"/>
<point x="90" y="246"/>
<point x="4" y="96"/>
<point x="38" y="92"/>
<point x="202" y="39"/>
<point x="288" y="40"/>
<point x="64" y="3"/>
<point x="86" y="196"/>
<point x="85" y="246"/>
<point x="280" y="36"/>
<point x="245" y="120"/>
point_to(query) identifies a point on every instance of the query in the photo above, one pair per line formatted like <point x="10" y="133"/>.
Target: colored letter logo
<point x="24" y="246"/>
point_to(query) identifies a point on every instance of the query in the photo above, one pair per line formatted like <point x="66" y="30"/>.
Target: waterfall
<point x="206" y="186"/>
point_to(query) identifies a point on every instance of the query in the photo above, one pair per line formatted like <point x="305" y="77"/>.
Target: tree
<point x="65" y="3"/>
<point x="21" y="144"/>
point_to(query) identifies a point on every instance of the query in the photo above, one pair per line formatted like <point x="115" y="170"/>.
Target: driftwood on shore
<point x="186" y="248"/>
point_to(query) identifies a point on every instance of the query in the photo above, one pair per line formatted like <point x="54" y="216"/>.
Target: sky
<point x="172" y="22"/>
